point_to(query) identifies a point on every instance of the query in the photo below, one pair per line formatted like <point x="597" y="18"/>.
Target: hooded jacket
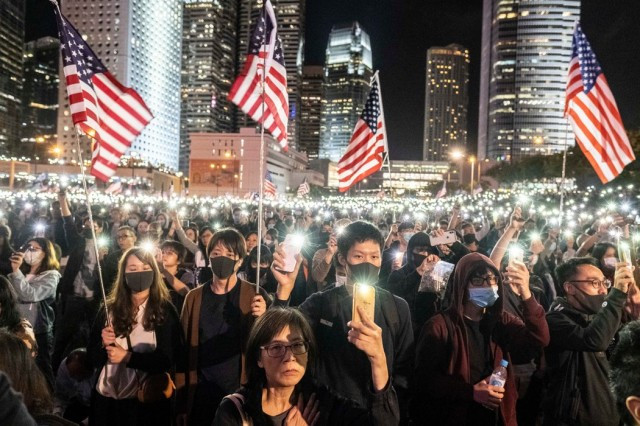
<point x="444" y="392"/>
<point x="578" y="366"/>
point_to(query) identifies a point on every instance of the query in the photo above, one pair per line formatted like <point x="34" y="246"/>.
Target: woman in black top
<point x="143" y="340"/>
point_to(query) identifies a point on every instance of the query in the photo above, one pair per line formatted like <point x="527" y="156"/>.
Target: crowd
<point x="367" y="310"/>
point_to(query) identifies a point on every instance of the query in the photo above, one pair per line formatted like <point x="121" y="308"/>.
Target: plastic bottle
<point x="499" y="376"/>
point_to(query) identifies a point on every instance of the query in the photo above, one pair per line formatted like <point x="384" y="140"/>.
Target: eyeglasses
<point x="480" y="281"/>
<point x="595" y="283"/>
<point x="278" y="350"/>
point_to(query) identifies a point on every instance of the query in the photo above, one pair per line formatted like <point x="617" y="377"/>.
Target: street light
<point x="456" y="154"/>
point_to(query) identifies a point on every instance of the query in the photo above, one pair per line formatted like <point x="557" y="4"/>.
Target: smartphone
<point x="625" y="253"/>
<point x="292" y="246"/>
<point x="185" y="223"/>
<point x="516" y="254"/>
<point x="449" y="237"/>
<point x="364" y="295"/>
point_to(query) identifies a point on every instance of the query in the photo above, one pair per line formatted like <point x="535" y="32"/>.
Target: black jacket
<point x="381" y="409"/>
<point x="339" y="364"/>
<point x="76" y="243"/>
<point x="578" y="365"/>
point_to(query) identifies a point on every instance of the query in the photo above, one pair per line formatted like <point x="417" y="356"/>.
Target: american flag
<point x="593" y="113"/>
<point x="265" y="60"/>
<point x="269" y="187"/>
<point x="304" y="188"/>
<point x="443" y="190"/>
<point x="105" y="110"/>
<point x="368" y="142"/>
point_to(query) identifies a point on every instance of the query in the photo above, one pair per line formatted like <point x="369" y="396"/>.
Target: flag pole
<point x="564" y="170"/>
<point x="93" y="231"/>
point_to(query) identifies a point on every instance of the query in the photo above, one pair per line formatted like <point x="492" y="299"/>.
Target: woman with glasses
<point x="280" y="388"/>
<point x="459" y="348"/>
<point x="34" y="279"/>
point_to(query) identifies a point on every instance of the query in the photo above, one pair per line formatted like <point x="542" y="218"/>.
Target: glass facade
<point x="347" y="74"/>
<point x="139" y="41"/>
<point x="446" y="101"/>
<point x="310" y="110"/>
<point x="11" y="53"/>
<point x="525" y="55"/>
<point x="209" y="38"/>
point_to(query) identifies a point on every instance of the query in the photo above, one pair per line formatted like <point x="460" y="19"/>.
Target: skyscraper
<point x="40" y="95"/>
<point x="209" y="41"/>
<point x="11" y="52"/>
<point x="348" y="70"/>
<point x="446" y="101"/>
<point x="310" y="110"/>
<point x="290" y="15"/>
<point x="526" y="48"/>
<point x="139" y="41"/>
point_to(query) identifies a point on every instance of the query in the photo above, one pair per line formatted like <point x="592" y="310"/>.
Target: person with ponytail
<point x="34" y="279"/>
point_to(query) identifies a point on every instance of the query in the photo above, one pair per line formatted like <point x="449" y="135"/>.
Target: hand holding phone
<point x="364" y="296"/>
<point x="292" y="246"/>
<point x="439" y="237"/>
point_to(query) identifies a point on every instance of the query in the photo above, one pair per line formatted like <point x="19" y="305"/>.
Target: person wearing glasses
<point x="459" y="348"/>
<point x="34" y="279"/>
<point x="583" y="324"/>
<point x="125" y="238"/>
<point x="281" y="389"/>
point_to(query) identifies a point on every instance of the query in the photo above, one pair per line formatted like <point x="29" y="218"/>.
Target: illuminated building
<point x="446" y="101"/>
<point x="139" y="41"/>
<point x="310" y="110"/>
<point x="526" y="48"/>
<point x="208" y="70"/>
<point x="415" y="175"/>
<point x="348" y="70"/>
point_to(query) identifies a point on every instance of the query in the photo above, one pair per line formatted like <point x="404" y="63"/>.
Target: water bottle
<point x="499" y="376"/>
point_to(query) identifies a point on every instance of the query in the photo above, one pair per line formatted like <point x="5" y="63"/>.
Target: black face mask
<point x="222" y="267"/>
<point x="251" y="273"/>
<point x="323" y="237"/>
<point x="86" y="233"/>
<point x="590" y="304"/>
<point x="139" y="281"/>
<point x="418" y="259"/>
<point x="363" y="273"/>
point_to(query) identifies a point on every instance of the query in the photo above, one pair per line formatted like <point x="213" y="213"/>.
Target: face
<point x="221" y="250"/>
<point x="288" y="369"/>
<point x="136" y="265"/>
<point x="252" y="241"/>
<point x="143" y="227"/>
<point x="126" y="240"/>
<point x="191" y="234"/>
<point x="205" y="237"/>
<point x="366" y="251"/>
<point x="585" y="272"/>
<point x="33" y="246"/>
<point x="610" y="252"/>
<point x="484" y="279"/>
<point x="115" y="215"/>
<point x="97" y="228"/>
<point x="161" y="219"/>
<point x="169" y="257"/>
<point x="468" y="229"/>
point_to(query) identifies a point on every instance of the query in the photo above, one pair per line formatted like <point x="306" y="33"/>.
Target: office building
<point x="12" y="14"/>
<point x="347" y="77"/>
<point x="139" y="41"/>
<point x="310" y="110"/>
<point x="446" y="101"/>
<point x="209" y="38"/>
<point x="526" y="48"/>
<point x="415" y="175"/>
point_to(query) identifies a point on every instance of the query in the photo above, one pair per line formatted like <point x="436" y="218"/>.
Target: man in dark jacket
<point x="583" y="324"/>
<point x="340" y="365"/>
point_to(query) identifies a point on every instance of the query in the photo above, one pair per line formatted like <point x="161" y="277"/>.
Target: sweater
<point x="36" y="298"/>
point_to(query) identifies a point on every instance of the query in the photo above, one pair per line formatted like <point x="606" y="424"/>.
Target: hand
<point x="286" y="280"/>
<point x="102" y="252"/>
<point x="258" y="306"/>
<point x="16" y="261"/>
<point x="516" y="221"/>
<point x="487" y="395"/>
<point x="632" y="306"/>
<point x="108" y="336"/>
<point x="536" y="246"/>
<point x="623" y="277"/>
<point x="116" y="354"/>
<point x="332" y="245"/>
<point x="427" y="264"/>
<point x="304" y="414"/>
<point x="418" y="226"/>
<point x="518" y="276"/>
<point x="397" y="261"/>
<point x="366" y="335"/>
<point x="173" y="214"/>
<point x="394" y="229"/>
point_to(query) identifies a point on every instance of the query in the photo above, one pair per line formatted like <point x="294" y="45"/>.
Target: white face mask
<point x="610" y="262"/>
<point x="341" y="280"/>
<point x="33" y="257"/>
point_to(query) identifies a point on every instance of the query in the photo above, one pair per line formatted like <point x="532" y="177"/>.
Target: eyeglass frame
<point x="268" y="348"/>
<point x="601" y="283"/>
<point x="485" y="279"/>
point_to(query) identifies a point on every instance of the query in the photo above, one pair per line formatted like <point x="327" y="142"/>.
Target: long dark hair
<point x="25" y="376"/>
<point x="50" y="261"/>
<point x="5" y="248"/>
<point x="119" y="302"/>
<point x="264" y="329"/>
<point x="9" y="314"/>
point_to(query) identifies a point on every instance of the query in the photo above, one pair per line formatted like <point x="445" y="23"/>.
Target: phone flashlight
<point x="399" y="255"/>
<point x="516" y="254"/>
<point x="103" y="242"/>
<point x="39" y="227"/>
<point x="148" y="246"/>
<point x="298" y="240"/>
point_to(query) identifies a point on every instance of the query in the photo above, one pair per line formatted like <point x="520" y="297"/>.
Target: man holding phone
<point x="340" y="365"/>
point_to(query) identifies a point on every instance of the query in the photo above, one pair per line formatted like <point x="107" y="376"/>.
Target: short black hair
<point x="624" y="376"/>
<point x="358" y="232"/>
<point x="406" y="225"/>
<point x="231" y="239"/>
<point x="176" y="246"/>
<point x="568" y="269"/>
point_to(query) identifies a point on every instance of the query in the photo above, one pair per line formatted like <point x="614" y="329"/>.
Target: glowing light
<point x="148" y="246"/>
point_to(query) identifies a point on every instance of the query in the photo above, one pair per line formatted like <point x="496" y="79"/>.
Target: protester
<point x="5" y="250"/>
<point x="126" y="238"/>
<point x="280" y="386"/>
<point x="625" y="374"/>
<point x="73" y="387"/>
<point x="135" y="338"/>
<point x="250" y="271"/>
<point x="322" y="270"/>
<point x="177" y="279"/>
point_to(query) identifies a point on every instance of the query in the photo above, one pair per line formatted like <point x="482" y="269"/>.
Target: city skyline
<point x="402" y="32"/>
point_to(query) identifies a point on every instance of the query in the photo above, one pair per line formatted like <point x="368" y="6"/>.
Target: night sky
<point x="401" y="31"/>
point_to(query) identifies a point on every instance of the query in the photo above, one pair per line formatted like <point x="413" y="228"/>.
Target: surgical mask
<point x="222" y="266"/>
<point x="133" y="222"/>
<point x="341" y="280"/>
<point x="407" y="235"/>
<point x="483" y="297"/>
<point x="271" y="226"/>
<point x="591" y="304"/>
<point x="139" y="281"/>
<point x="33" y="257"/>
<point x="610" y="262"/>
<point x="363" y="273"/>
